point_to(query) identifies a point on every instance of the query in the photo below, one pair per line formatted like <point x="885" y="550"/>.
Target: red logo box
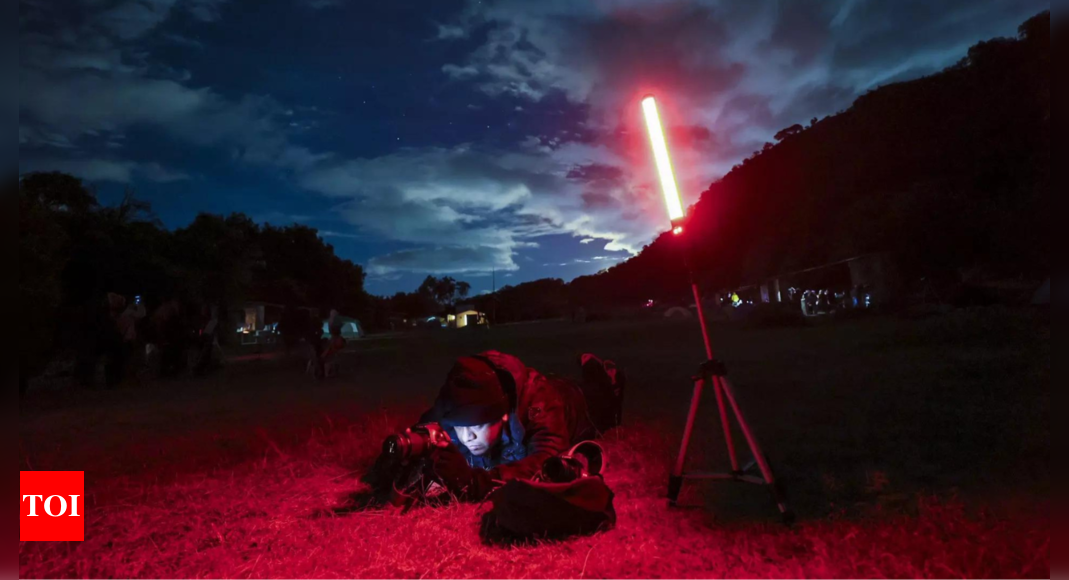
<point x="53" y="506"/>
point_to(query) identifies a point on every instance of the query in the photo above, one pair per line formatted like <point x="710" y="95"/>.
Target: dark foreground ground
<point x="911" y="448"/>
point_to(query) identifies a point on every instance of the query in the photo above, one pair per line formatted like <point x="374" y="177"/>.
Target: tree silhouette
<point x="792" y="130"/>
<point x="72" y="251"/>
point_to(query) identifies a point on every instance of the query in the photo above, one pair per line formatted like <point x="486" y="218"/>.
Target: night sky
<point x="448" y="137"/>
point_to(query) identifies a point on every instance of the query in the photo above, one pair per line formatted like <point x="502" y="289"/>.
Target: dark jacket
<point x="549" y="415"/>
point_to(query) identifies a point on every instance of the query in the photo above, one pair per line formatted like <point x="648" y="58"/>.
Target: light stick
<point x="664" y="163"/>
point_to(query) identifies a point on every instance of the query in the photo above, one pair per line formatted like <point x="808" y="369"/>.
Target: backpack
<point x="567" y="498"/>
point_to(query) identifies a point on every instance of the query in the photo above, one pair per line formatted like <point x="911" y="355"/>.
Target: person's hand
<point x="457" y="476"/>
<point x="451" y="467"/>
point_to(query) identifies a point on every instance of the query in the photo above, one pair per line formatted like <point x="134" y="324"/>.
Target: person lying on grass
<point x="506" y="419"/>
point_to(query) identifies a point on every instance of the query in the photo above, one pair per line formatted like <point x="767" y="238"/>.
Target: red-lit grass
<point x="264" y="519"/>
<point x="911" y="447"/>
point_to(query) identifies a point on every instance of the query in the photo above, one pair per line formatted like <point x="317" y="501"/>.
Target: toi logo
<point x="52" y="506"/>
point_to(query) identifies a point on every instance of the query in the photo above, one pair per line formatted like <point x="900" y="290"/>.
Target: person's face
<point x="480" y="439"/>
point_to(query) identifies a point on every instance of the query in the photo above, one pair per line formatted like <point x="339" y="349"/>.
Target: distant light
<point x="660" y="154"/>
<point x="677" y="230"/>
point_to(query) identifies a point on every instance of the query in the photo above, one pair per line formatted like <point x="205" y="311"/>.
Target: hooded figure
<point x="506" y="420"/>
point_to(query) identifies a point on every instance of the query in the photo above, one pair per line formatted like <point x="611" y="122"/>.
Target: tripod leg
<point x="751" y="440"/>
<point x="675" y="481"/>
<point x="728" y="439"/>
<point x="759" y="456"/>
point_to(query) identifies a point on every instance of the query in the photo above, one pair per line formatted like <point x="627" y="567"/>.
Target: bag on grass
<point x="577" y="503"/>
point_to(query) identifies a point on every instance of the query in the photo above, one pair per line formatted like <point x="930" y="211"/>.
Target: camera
<point x="562" y="469"/>
<point x="414" y="443"/>
<point x="586" y="459"/>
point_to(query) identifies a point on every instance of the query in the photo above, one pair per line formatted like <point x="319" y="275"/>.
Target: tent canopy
<point x="350" y="327"/>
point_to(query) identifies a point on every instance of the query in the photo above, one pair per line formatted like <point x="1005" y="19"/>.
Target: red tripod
<point x="713" y="373"/>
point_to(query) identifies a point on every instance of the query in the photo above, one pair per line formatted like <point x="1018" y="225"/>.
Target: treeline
<point x="433" y="297"/>
<point x="949" y="173"/>
<point x="536" y="300"/>
<point x="73" y="252"/>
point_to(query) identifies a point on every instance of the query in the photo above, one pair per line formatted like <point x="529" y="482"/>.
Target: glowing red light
<point x="660" y="154"/>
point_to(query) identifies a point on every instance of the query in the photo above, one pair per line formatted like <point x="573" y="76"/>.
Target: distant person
<point x="130" y="320"/>
<point x="579" y="315"/>
<point x="291" y="327"/>
<point x="313" y="337"/>
<point x="113" y="341"/>
<point x="128" y="323"/>
<point x="87" y="340"/>
<point x="208" y="338"/>
<point x="98" y="335"/>
<point x="334" y="345"/>
<point x="334" y="321"/>
<point x="170" y="331"/>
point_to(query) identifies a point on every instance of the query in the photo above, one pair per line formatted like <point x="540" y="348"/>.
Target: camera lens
<point x="395" y="446"/>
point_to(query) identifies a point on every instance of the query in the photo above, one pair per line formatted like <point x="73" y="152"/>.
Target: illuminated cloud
<point x="739" y="70"/>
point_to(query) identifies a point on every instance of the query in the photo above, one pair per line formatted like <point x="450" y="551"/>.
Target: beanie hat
<point x="472" y="394"/>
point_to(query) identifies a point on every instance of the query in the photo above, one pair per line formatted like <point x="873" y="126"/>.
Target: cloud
<point x="66" y="107"/>
<point x="112" y="170"/>
<point x="443" y="260"/>
<point x="92" y="53"/>
<point x="321" y="4"/>
<point x="277" y="217"/>
<point x="334" y="234"/>
<point x="92" y="80"/>
<point x="471" y="209"/>
<point x="460" y="72"/>
<point x="134" y="18"/>
<point x="741" y="71"/>
<point x="183" y="41"/>
<point x="460" y="175"/>
<point x="451" y="32"/>
<point x="205" y="10"/>
<point x="30" y="136"/>
<point x="88" y="169"/>
<point x="468" y="196"/>
<point x="159" y="174"/>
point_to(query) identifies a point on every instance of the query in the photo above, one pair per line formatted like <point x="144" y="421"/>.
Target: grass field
<point x="910" y="448"/>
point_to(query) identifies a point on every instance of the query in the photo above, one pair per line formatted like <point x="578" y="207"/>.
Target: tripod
<point x="713" y="373"/>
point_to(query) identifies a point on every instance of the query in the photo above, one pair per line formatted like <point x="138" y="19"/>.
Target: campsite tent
<point x="350" y="327"/>
<point x="1042" y="297"/>
<point x="469" y="317"/>
<point x="677" y="312"/>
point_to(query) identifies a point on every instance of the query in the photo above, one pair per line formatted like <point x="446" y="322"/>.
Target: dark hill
<point x="948" y="173"/>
